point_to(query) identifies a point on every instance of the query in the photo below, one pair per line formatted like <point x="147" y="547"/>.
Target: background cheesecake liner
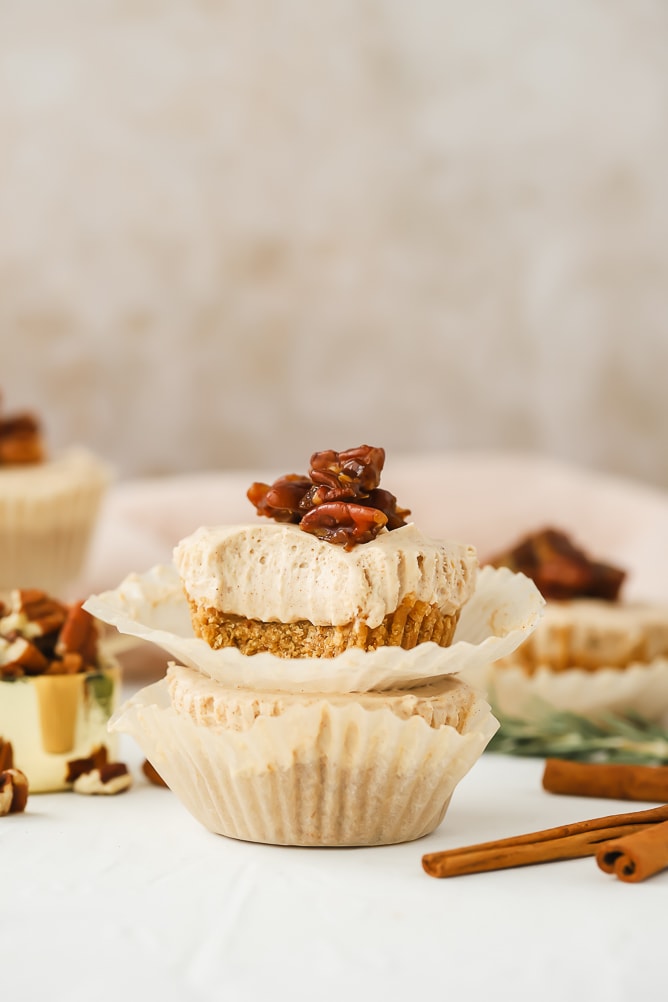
<point x="48" y="512"/>
<point x="305" y="770"/>
<point x="584" y="663"/>
<point x="640" y="689"/>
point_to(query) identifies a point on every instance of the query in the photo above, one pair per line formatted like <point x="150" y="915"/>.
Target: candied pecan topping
<point x="344" y="523"/>
<point x="282" y="499"/>
<point x="40" y="635"/>
<point x="20" y="440"/>
<point x="560" y="569"/>
<point x="340" y="501"/>
<point x="349" y="474"/>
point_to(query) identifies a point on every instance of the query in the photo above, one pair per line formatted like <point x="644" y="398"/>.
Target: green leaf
<point x="559" y="733"/>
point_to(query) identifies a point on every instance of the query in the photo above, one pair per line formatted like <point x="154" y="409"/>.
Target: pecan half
<point x="344" y="524"/>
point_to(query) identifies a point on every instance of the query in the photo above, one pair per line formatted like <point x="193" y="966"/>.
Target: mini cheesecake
<point x="276" y="588"/>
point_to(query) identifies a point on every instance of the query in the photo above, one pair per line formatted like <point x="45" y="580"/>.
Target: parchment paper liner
<point x="638" y="688"/>
<point x="503" y="610"/>
<point x="47" y="517"/>
<point x="318" y="774"/>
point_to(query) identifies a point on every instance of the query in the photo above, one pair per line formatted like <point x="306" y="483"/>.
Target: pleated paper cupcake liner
<point x="445" y="701"/>
<point x="47" y="517"/>
<point x="639" y="689"/>
<point x="318" y="774"/>
<point x="503" y="610"/>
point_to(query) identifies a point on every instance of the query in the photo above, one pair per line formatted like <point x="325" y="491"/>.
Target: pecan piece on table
<point x="13" y="791"/>
<point x="109" y="779"/>
<point x="152" y="774"/>
<point x="78" y="766"/>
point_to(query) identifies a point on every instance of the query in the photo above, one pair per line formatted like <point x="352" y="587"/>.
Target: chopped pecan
<point x="152" y="774"/>
<point x="560" y="569"/>
<point x="69" y="664"/>
<point x="13" y="791"/>
<point x="6" y="755"/>
<point x="44" y="614"/>
<point x="78" y="635"/>
<point x="78" y="766"/>
<point x="114" y="777"/>
<point x="112" y="770"/>
<point x="387" y="503"/>
<point x="348" y="474"/>
<point x="39" y="634"/>
<point x="24" y="655"/>
<point x="280" y="500"/>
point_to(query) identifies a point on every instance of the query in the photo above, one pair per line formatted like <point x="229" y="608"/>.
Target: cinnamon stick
<point x="582" y="838"/>
<point x="635" y="857"/>
<point x="608" y="780"/>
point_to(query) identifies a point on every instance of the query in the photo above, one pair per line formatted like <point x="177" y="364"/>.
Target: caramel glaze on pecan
<point x="41" y="636"/>
<point x="339" y="501"/>
<point x="560" y="569"/>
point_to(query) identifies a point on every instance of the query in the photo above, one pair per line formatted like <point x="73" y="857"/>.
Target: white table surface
<point x="127" y="897"/>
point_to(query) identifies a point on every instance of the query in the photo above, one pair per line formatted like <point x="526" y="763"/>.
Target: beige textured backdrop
<point x="233" y="232"/>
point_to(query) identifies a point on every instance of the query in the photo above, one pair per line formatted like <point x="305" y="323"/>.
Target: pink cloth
<point x="488" y="499"/>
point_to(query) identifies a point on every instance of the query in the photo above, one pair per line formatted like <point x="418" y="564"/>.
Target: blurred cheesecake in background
<point x="49" y="506"/>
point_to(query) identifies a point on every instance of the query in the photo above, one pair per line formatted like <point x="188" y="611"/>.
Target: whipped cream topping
<point x="277" y="572"/>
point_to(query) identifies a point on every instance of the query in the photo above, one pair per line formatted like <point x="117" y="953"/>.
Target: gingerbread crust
<point x="413" y="622"/>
